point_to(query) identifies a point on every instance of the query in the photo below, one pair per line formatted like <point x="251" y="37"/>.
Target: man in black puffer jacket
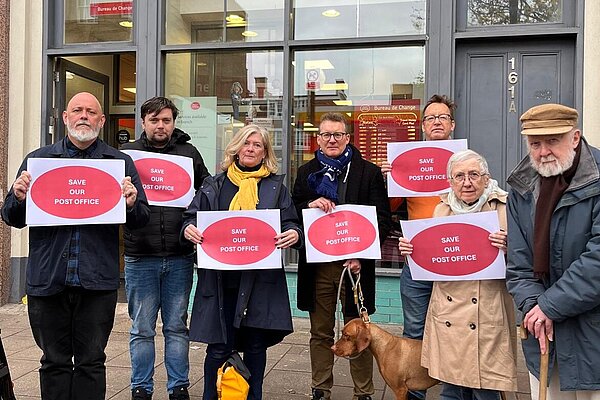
<point x="158" y="268"/>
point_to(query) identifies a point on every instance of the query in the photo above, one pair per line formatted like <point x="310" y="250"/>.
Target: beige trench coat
<point x="470" y="333"/>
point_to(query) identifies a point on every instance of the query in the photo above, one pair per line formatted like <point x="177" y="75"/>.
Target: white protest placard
<point x="454" y="248"/>
<point x="168" y="179"/>
<point x="238" y="240"/>
<point x="419" y="168"/>
<point x="349" y="231"/>
<point x="67" y="191"/>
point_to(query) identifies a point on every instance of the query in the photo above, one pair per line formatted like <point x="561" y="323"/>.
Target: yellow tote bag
<point x="232" y="379"/>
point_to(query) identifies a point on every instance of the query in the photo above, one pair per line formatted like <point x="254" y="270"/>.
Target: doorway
<point x="497" y="82"/>
<point x="109" y="77"/>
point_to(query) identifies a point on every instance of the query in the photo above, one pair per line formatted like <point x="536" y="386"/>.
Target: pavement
<point x="287" y="376"/>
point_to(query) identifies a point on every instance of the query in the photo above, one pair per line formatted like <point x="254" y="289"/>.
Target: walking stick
<point x="544" y="370"/>
<point x="544" y="360"/>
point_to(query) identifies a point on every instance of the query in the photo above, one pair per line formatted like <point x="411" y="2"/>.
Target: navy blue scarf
<point x="325" y="181"/>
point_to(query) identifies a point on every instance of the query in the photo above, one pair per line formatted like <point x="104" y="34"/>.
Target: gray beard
<point x="554" y="169"/>
<point x="83" y="136"/>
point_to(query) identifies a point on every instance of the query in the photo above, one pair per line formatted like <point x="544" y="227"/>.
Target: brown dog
<point x="398" y="359"/>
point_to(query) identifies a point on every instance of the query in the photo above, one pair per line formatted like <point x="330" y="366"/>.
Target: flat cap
<point x="548" y="119"/>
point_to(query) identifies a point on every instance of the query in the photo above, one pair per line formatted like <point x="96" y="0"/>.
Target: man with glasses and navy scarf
<point x="337" y="175"/>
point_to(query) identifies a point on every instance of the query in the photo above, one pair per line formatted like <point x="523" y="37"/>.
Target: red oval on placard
<point x="76" y="192"/>
<point x="163" y="180"/>
<point x="337" y="233"/>
<point x="459" y="240"/>
<point x="422" y="169"/>
<point x="225" y="242"/>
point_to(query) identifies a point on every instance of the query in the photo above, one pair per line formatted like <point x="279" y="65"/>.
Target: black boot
<point x="179" y="393"/>
<point x="139" y="393"/>
<point x="318" y="394"/>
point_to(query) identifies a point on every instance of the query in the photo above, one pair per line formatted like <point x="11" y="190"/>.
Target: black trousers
<point x="72" y="328"/>
<point x="254" y="348"/>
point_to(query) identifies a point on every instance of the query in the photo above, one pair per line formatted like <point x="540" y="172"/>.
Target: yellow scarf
<point x="247" y="196"/>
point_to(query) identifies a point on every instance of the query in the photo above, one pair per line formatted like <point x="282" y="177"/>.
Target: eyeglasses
<point x="336" y="135"/>
<point x="429" y="119"/>
<point x="473" y="176"/>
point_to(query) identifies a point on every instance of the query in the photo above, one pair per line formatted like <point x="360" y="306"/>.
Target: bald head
<point x="84" y="119"/>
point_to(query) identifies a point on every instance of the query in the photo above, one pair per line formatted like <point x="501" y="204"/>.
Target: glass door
<point x="72" y="78"/>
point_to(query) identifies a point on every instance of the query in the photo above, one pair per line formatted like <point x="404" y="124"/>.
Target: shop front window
<point x="193" y="21"/>
<point x="357" y="18"/>
<point x="505" y="12"/>
<point x="92" y="21"/>
<point x="219" y="92"/>
<point x="380" y="92"/>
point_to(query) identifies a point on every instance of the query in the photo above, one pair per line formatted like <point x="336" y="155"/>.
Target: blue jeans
<point x="154" y="283"/>
<point x="453" y="392"/>
<point x="72" y="329"/>
<point x="415" y="301"/>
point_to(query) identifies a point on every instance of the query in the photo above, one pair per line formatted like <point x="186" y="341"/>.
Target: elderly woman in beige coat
<point x="470" y="337"/>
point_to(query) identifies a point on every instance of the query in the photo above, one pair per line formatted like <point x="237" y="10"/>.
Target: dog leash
<point x="358" y="301"/>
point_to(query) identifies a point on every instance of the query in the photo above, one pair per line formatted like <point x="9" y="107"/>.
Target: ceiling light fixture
<point x="126" y="24"/>
<point x="129" y="89"/>
<point x="342" y="102"/>
<point x="249" y="34"/>
<point x="331" y="13"/>
<point x="234" y="18"/>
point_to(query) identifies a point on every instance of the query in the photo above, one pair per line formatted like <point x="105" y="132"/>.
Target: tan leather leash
<point x="358" y="301"/>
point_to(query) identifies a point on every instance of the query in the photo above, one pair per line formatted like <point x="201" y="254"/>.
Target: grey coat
<point x="263" y="300"/>
<point x="571" y="295"/>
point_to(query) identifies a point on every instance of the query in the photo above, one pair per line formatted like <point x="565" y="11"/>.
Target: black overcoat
<point x="365" y="186"/>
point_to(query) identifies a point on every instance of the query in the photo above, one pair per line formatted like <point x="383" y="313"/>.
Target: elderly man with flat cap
<point x="554" y="251"/>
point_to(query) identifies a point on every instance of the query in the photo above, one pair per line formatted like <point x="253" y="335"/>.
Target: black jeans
<point x="72" y="328"/>
<point x="255" y="352"/>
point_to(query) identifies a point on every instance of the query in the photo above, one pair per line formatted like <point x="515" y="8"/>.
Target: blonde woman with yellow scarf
<point x="247" y="311"/>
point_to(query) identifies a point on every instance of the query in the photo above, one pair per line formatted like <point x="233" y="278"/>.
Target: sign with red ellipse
<point x="350" y="231"/>
<point x="239" y="239"/>
<point x="75" y="191"/>
<point x="455" y="249"/>
<point x="168" y="180"/>
<point x="419" y="168"/>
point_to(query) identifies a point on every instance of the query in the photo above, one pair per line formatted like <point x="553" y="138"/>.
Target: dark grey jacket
<point x="571" y="296"/>
<point x="49" y="245"/>
<point x="263" y="300"/>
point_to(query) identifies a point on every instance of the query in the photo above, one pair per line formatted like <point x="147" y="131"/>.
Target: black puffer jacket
<point x="160" y="237"/>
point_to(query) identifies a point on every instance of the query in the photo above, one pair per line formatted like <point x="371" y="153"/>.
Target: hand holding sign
<point x="129" y="191"/>
<point x="323" y="203"/>
<point x="193" y="234"/>
<point x="21" y="185"/>
<point x="286" y="239"/>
